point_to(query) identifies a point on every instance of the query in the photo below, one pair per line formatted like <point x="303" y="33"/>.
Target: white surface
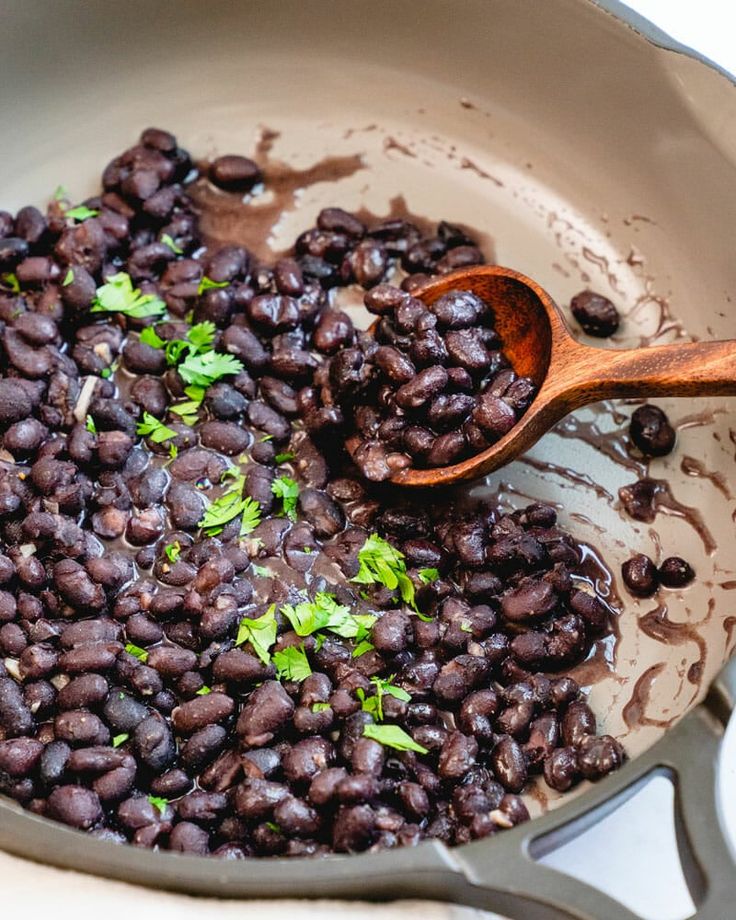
<point x="633" y="847"/>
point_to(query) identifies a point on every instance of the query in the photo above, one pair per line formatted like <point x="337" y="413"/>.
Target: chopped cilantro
<point x="466" y="627"/>
<point x="81" y="213"/>
<point x="149" y="336"/>
<point x="202" y="335"/>
<point x="137" y="652"/>
<point x="173" y="451"/>
<point x="10" y="280"/>
<point x="68" y="278"/>
<point x="89" y="424"/>
<point x="374" y="704"/>
<point x="288" y="491"/>
<point x="362" y="647"/>
<point x="207" y="284"/>
<point x="428" y="576"/>
<point x="168" y="241"/>
<point x="260" y="571"/>
<point x="291" y="663"/>
<point x="204" y="369"/>
<point x="152" y="428"/>
<point x="173" y="551"/>
<point x="188" y="409"/>
<point x="229" y="505"/>
<point x="117" y="295"/>
<point x="158" y="802"/>
<point x="203" y="691"/>
<point x="266" y="437"/>
<point x="260" y="632"/>
<point x="320" y="707"/>
<point x="309" y="617"/>
<point x="284" y="458"/>
<point x="381" y="563"/>
<point x="273" y="826"/>
<point x="61" y="193"/>
<point x="120" y="739"/>
<point x="394" y="737"/>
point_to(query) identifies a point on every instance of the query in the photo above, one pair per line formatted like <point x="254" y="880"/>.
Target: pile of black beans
<point x="432" y="387"/>
<point x="128" y="708"/>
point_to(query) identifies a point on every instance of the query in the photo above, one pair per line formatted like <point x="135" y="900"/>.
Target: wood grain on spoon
<point x="568" y="375"/>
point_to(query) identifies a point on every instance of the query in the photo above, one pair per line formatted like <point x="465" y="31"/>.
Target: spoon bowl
<point x="567" y="374"/>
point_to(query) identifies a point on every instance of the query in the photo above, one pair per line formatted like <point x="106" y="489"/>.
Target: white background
<point x="631" y="855"/>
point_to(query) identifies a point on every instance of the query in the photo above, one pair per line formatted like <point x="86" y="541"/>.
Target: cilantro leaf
<point x="168" y="241"/>
<point x="381" y="563"/>
<point x="81" y="213"/>
<point x="260" y="571"/>
<point x="117" y="295"/>
<point x="288" y="491"/>
<point x="173" y="551"/>
<point x="207" y="284"/>
<point x="61" y="193"/>
<point x="152" y="428"/>
<point x="89" y="424"/>
<point x="149" y="336"/>
<point x="204" y="369"/>
<point x="120" y="739"/>
<point x="260" y="632"/>
<point x="291" y="663"/>
<point x="374" y="704"/>
<point x="285" y="457"/>
<point x="320" y="707"/>
<point x="202" y="335"/>
<point x="322" y="613"/>
<point x="251" y="516"/>
<point x="229" y="505"/>
<point x="137" y="652"/>
<point x="362" y="647"/>
<point x="428" y="576"/>
<point x="158" y="802"/>
<point x="220" y="512"/>
<point x="394" y="737"/>
<point x="68" y="278"/>
<point x="203" y="691"/>
<point x="10" y="280"/>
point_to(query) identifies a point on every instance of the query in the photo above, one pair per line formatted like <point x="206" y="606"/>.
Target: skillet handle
<point x="503" y="874"/>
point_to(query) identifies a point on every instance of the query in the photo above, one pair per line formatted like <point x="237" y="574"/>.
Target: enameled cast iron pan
<point x="591" y="151"/>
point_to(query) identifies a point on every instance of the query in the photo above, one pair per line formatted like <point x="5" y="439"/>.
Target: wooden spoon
<point x="568" y="375"/>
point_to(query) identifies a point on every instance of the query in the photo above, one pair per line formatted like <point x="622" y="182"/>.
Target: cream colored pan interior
<point x="579" y="152"/>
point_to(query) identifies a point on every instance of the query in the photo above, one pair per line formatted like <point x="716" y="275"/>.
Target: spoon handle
<point x="693" y="369"/>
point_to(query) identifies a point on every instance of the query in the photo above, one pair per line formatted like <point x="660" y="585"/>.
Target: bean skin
<point x="75" y="806"/>
<point x="509" y="765"/>
<point x="202" y="711"/>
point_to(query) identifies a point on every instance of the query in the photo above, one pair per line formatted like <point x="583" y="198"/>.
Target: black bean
<point x="577" y="722"/>
<point x="651" y="432"/>
<point x="598" y="756"/>
<point x="640" y="575"/>
<point x="15" y="716"/>
<point x="595" y="313"/>
<point x="509" y="764"/>
<point x="675" y="572"/>
<point x="264" y="713"/>
<point x="153" y="742"/>
<point x="235" y="173"/>
<point x="561" y="769"/>
<point x="202" y="711"/>
<point x="353" y="829"/>
<point x="493" y="415"/>
<point x="75" y="805"/>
